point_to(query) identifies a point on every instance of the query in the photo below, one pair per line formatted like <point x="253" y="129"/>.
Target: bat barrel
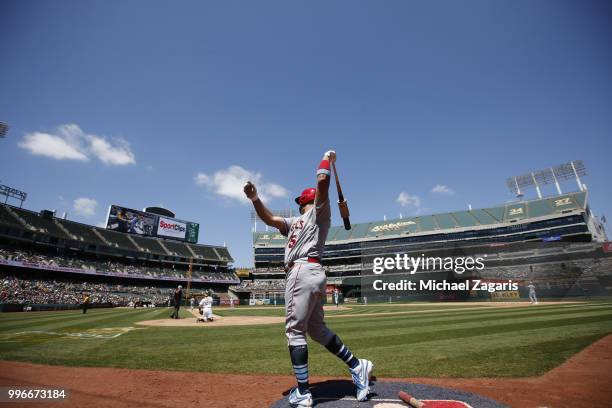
<point x="344" y="213"/>
<point x="342" y="206"/>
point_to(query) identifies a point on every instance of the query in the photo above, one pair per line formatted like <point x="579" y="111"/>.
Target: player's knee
<point x="295" y="336"/>
<point x="296" y="340"/>
<point x="320" y="334"/>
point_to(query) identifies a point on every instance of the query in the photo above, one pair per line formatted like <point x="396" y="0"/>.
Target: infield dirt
<point x="257" y="320"/>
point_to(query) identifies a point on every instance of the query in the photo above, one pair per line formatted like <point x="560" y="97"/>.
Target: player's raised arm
<point x="323" y="177"/>
<point x="266" y="215"/>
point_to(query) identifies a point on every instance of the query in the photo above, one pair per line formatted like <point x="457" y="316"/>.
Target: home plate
<point x="341" y="394"/>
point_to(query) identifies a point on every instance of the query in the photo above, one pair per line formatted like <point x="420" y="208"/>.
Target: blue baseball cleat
<point x="300" y="400"/>
<point x="361" y="378"/>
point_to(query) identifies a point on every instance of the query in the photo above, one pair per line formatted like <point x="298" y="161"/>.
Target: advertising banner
<point x="177" y="229"/>
<point x="168" y="227"/>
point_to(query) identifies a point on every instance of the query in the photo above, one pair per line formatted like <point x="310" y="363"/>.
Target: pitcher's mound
<point x="217" y="322"/>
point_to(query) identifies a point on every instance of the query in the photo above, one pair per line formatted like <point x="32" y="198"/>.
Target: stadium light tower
<point x="285" y="213"/>
<point x="552" y="175"/>
<point x="10" y="192"/>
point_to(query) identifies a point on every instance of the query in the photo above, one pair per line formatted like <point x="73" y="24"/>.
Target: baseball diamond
<point x="454" y="345"/>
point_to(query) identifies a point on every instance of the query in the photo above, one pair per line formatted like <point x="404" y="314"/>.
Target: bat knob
<point x="347" y="223"/>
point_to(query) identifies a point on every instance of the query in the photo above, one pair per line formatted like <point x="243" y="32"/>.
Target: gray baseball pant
<point x="304" y="292"/>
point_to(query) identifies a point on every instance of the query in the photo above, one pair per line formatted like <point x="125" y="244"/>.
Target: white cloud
<point x="442" y="189"/>
<point x="118" y="154"/>
<point x="85" y="206"/>
<point x="69" y="142"/>
<point x="44" y="144"/>
<point x="407" y="200"/>
<point x="230" y="182"/>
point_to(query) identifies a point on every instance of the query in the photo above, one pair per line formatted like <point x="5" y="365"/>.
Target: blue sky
<point x="174" y="103"/>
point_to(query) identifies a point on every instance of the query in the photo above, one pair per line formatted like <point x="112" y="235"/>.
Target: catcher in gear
<point x="206" y="308"/>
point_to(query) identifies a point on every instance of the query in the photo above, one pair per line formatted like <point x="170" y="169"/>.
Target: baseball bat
<point x="342" y="205"/>
<point x="410" y="400"/>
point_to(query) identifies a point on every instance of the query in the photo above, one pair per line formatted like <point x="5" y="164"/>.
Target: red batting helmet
<point x="306" y="197"/>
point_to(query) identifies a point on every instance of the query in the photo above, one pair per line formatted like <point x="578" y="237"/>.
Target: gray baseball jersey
<point x="307" y="233"/>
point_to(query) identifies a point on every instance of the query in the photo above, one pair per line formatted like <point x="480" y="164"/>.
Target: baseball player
<point x="532" y="294"/>
<point x="85" y="303"/>
<point x="178" y="296"/>
<point x="206" y="307"/>
<point x="306" y="282"/>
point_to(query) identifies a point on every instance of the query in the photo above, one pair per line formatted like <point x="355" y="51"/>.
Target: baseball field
<point x="453" y="340"/>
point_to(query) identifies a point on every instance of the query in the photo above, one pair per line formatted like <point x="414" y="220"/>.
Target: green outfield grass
<point x="429" y="340"/>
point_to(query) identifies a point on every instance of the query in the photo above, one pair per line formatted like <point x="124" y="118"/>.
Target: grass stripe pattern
<point x="429" y="340"/>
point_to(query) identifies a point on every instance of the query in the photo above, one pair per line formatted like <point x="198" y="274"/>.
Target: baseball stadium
<point x="296" y="204"/>
<point x="91" y="306"/>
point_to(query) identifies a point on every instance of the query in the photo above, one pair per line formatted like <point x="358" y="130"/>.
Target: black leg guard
<point x="299" y="360"/>
<point x="335" y="346"/>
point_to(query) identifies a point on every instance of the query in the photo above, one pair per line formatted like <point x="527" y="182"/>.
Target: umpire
<point x="178" y="296"/>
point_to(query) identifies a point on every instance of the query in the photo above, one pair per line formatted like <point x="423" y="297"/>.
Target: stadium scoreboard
<point x="130" y="221"/>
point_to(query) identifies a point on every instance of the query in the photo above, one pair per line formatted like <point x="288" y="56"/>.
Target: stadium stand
<point x="519" y="239"/>
<point x="7" y="218"/>
<point x="46" y="249"/>
<point x="266" y="285"/>
<point x="82" y="232"/>
<point x="445" y="221"/>
<point x="39" y="223"/>
<point x="204" y="252"/>
<point x="118" y="239"/>
<point x="111" y="266"/>
<point x="28" y="291"/>
<point x="476" y="224"/>
<point x="465" y="219"/>
<point x="149" y="244"/>
<point x="224" y="254"/>
<point x="482" y="217"/>
<point x="178" y="248"/>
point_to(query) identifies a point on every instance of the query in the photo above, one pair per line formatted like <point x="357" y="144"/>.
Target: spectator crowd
<point x="260" y="285"/>
<point x="206" y="273"/>
<point x="36" y="291"/>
